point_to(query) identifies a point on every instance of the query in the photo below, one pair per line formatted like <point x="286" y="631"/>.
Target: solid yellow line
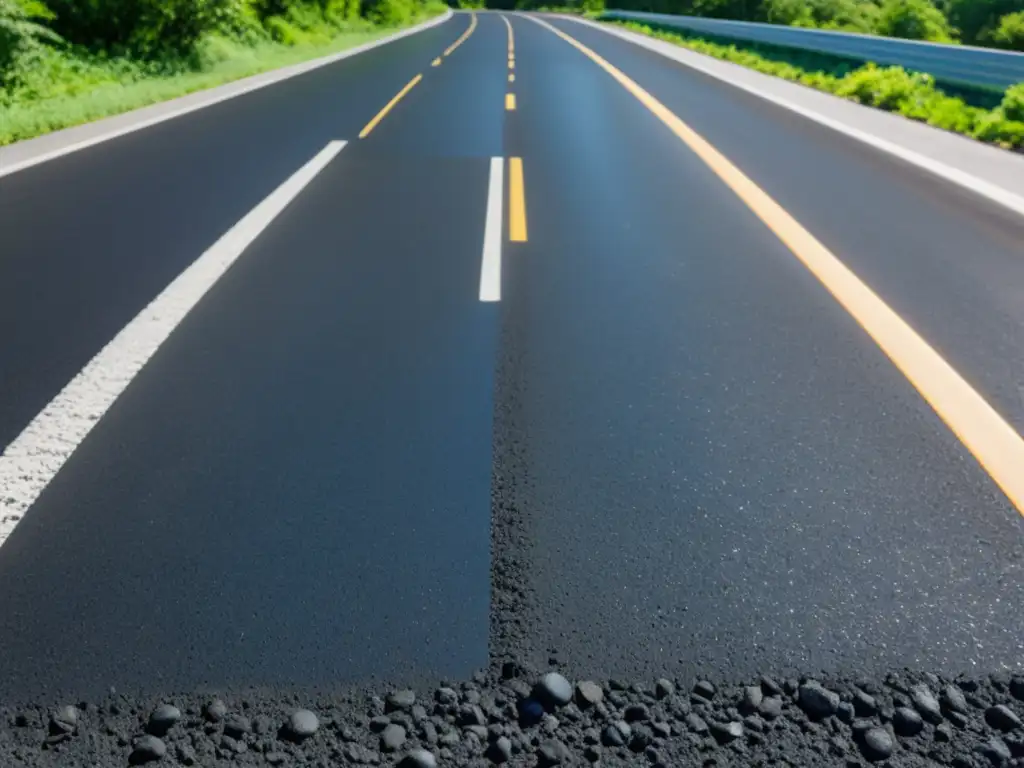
<point x="516" y="201"/>
<point x="465" y="35"/>
<point x="436" y="62"/>
<point x="511" y="39"/>
<point x="380" y="115"/>
<point x="510" y="101"/>
<point x="998" y="448"/>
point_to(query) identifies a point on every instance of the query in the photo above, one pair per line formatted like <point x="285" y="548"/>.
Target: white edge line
<point x="979" y="186"/>
<point x="285" y="73"/>
<point x="35" y="456"/>
<point x="490" y="265"/>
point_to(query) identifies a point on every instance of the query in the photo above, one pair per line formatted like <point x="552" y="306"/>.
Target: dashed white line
<point x="35" y="456"/>
<point x="490" y="267"/>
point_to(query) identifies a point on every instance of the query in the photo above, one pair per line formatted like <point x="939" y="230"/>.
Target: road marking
<point x="998" y="448"/>
<point x="35" y="456"/>
<point x="511" y="38"/>
<point x="516" y="201"/>
<point x="979" y="186"/>
<point x="511" y="77"/>
<point x="511" y="64"/>
<point x="510" y="102"/>
<point x="215" y="96"/>
<point x="387" y="108"/>
<point x="490" y="264"/>
<point x="436" y="62"/>
<point x="463" y="37"/>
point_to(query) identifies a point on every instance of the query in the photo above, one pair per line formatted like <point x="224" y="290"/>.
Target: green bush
<point x="913" y="20"/>
<point x="1012" y="106"/>
<point x="389" y="13"/>
<point x="1010" y="33"/>
<point x="23" y="39"/>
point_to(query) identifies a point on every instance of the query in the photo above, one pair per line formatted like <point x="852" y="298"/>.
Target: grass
<point x="911" y="94"/>
<point x="64" y="91"/>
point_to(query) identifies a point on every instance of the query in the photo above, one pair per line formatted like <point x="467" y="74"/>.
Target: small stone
<point x="263" y="725"/>
<point x="616" y="734"/>
<point x="1002" y="717"/>
<point x="588" y="694"/>
<point x="653" y="756"/>
<point x="147" y="749"/>
<point x="696" y="724"/>
<point x="943" y="733"/>
<point x="861" y="726"/>
<point x="446" y="696"/>
<point x="770" y="707"/>
<point x="553" y="690"/>
<point x="877" y="744"/>
<point x="418" y="758"/>
<point x="864" y="704"/>
<point x="379" y="723"/>
<point x="752" y="698"/>
<point x="400" y="701"/>
<point x="530" y="712"/>
<point x="790" y="686"/>
<point x="1017" y="688"/>
<point x="429" y="731"/>
<point x="907" y="722"/>
<point x="500" y="751"/>
<point x="926" y="704"/>
<point x="952" y="700"/>
<point x="162" y="719"/>
<point x="996" y="751"/>
<point x="276" y="758"/>
<point x="661" y="730"/>
<point x="185" y="754"/>
<point x="726" y="732"/>
<point x="641" y="738"/>
<point x="479" y="731"/>
<point x="704" y="689"/>
<point x="636" y="713"/>
<point x="301" y="724"/>
<point x="553" y="752"/>
<point x="664" y="688"/>
<point x="471" y="714"/>
<point x="770" y="687"/>
<point x="64" y="720"/>
<point x="753" y="723"/>
<point x="592" y="753"/>
<point x="959" y="719"/>
<point x="392" y="738"/>
<point x="237" y="726"/>
<point x="845" y="712"/>
<point x="816" y="701"/>
<point x="215" y="711"/>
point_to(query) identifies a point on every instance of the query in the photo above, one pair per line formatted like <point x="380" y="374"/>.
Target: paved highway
<point x="504" y="337"/>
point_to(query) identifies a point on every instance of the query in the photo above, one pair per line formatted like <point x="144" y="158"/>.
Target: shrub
<point x="1012" y="106"/>
<point x="22" y="38"/>
<point x="1010" y="33"/>
<point x="389" y="13"/>
<point x="913" y="20"/>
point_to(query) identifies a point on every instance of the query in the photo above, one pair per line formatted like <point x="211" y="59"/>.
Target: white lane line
<point x="35" y="456"/>
<point x="214" y="96"/>
<point x="975" y="184"/>
<point x="490" y="266"/>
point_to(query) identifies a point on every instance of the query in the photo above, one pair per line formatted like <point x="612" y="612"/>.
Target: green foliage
<point x="848" y="15"/>
<point x="1010" y="33"/>
<point x="913" y="95"/>
<point x="913" y="20"/>
<point x="23" y="38"/>
<point x="978" y="20"/>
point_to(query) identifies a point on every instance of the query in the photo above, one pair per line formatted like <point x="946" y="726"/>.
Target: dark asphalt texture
<point x="712" y="468"/>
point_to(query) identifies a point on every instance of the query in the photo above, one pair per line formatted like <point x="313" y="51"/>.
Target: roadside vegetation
<point x="910" y="94"/>
<point x="66" y="62"/>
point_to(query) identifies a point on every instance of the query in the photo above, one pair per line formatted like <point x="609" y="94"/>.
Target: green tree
<point x="977" y="20"/>
<point x="1010" y="33"/>
<point x="913" y="20"/>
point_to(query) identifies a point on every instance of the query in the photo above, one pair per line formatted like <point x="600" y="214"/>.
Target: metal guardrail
<point x="979" y="67"/>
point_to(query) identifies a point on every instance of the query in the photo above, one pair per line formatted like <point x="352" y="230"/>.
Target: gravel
<point x="906" y="720"/>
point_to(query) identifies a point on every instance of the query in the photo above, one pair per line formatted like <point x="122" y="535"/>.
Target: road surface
<point x="515" y="371"/>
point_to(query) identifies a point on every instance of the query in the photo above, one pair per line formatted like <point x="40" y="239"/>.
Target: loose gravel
<point x="520" y="716"/>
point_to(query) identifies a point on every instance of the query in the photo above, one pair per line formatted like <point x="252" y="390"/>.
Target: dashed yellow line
<point x="511" y="77"/>
<point x="436" y="62"/>
<point x="997" y="446"/>
<point x="510" y="102"/>
<point x="516" y="201"/>
<point x="380" y="115"/>
<point x="465" y="35"/>
<point x="511" y="37"/>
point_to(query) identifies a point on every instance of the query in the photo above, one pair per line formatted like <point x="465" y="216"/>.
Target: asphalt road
<point x="708" y="465"/>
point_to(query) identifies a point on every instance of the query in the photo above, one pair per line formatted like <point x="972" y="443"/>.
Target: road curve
<point x="667" y="449"/>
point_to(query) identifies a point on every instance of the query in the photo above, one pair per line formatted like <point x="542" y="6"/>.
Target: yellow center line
<point x="380" y="115"/>
<point x="511" y="78"/>
<point x="510" y="101"/>
<point x="516" y="201"/>
<point x="463" y="37"/>
<point x="436" y="62"/>
<point x="511" y="63"/>
<point x="511" y="39"/>
<point x="997" y="447"/>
